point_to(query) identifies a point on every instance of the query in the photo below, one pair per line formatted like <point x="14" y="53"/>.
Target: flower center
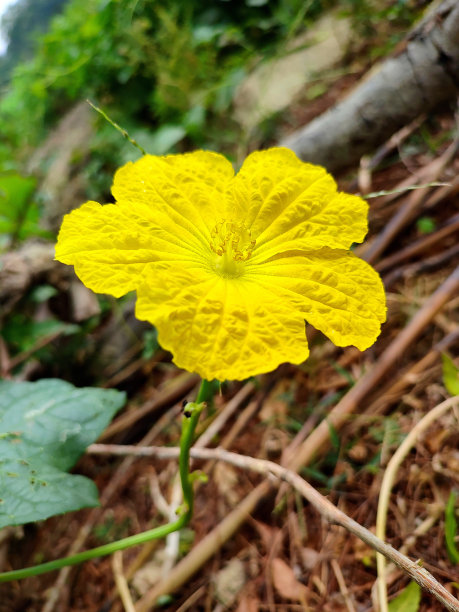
<point x="233" y="244"/>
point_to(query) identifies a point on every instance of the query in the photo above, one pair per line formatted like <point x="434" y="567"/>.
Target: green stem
<point x="121" y="130"/>
<point x="189" y="422"/>
<point x="205" y="392"/>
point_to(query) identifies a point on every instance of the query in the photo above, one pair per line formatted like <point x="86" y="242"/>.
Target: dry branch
<point x="408" y="211"/>
<point x="424" y="74"/>
<point x="330" y="512"/>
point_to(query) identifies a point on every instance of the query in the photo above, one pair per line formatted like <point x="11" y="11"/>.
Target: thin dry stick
<point x="405" y="213"/>
<point x="216" y="425"/>
<point x="174" y="390"/>
<point x="192" y="599"/>
<point x="434" y="262"/>
<point x="388" y="482"/>
<point x="395" y="141"/>
<point x="330" y="512"/>
<point x="441" y="194"/>
<point x="420" y="245"/>
<point x="243" y="418"/>
<point x="342" y="585"/>
<point x="121" y="583"/>
<point x="239" y="424"/>
<point x="15" y="361"/>
<point x="320" y="437"/>
<point x="393" y="392"/>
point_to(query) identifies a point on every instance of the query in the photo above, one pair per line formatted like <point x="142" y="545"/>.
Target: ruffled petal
<point x="111" y="246"/>
<point x="231" y="310"/>
<point x="185" y="191"/>
<point x="291" y="205"/>
<point x="165" y="211"/>
<point x="220" y="328"/>
<point x="335" y="291"/>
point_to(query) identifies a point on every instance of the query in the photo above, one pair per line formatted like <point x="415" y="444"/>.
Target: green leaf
<point x="451" y="528"/>
<point x="15" y="192"/>
<point x="408" y="600"/>
<point x="426" y="225"/>
<point x="450" y="375"/>
<point x="334" y="436"/>
<point x="42" y="293"/>
<point x="23" y="333"/>
<point x="45" y="427"/>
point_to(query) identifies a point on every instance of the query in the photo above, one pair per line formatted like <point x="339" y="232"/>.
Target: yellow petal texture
<point x="335" y="291"/>
<point x="187" y="190"/>
<point x="165" y="210"/>
<point x="291" y="205"/>
<point x="110" y="246"/>
<point x="220" y="328"/>
<point x="228" y="267"/>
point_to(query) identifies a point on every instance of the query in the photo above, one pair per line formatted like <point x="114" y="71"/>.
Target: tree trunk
<point x="423" y="74"/>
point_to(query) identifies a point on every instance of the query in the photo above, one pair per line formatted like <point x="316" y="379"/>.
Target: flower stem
<point x="189" y="422"/>
<point x="206" y="391"/>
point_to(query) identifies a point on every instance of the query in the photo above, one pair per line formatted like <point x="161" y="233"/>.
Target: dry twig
<point x="330" y="512"/>
<point x="319" y="438"/>
<point x="121" y="582"/>
<point x="408" y="210"/>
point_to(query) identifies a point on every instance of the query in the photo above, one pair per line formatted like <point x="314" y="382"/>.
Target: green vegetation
<point x="21" y="24"/>
<point x="170" y="65"/>
<point x="165" y="71"/>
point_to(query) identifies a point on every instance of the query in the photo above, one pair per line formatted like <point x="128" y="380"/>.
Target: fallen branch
<point x="330" y="512"/>
<point x="410" y="207"/>
<point x="423" y="74"/>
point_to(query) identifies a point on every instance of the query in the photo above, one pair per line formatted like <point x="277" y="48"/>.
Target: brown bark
<point x="424" y="74"/>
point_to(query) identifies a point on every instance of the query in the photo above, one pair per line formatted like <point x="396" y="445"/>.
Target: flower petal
<point x="291" y="205"/>
<point x="166" y="210"/>
<point x="335" y="291"/>
<point x="185" y="189"/>
<point x="220" y="328"/>
<point x="110" y="246"/>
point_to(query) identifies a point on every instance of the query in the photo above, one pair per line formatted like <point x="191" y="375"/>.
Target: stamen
<point x="232" y="239"/>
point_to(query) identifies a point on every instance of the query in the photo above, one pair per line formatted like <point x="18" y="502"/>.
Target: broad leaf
<point x="408" y="600"/>
<point x="45" y="427"/>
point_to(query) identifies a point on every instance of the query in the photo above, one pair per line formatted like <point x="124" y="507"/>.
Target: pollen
<point x="233" y="240"/>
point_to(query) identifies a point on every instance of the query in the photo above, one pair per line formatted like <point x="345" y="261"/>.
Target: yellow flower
<point x="228" y="267"/>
